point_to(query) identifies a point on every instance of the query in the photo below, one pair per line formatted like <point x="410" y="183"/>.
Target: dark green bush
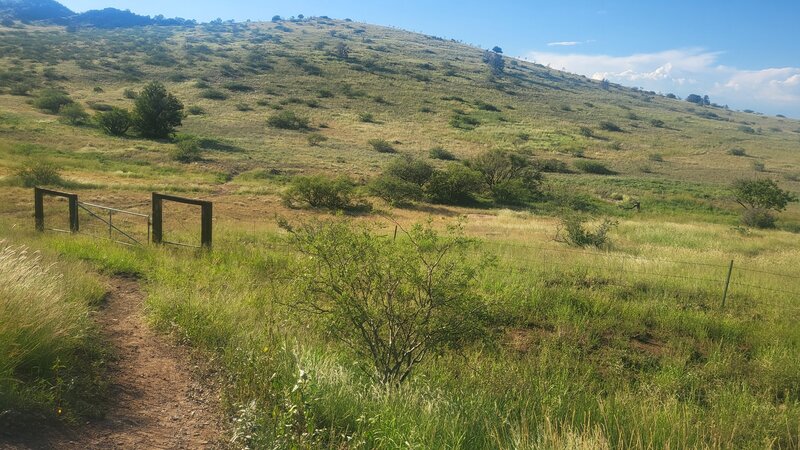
<point x="551" y="166"/>
<point x="73" y="114"/>
<point x="288" y="120"/>
<point x="213" y="94"/>
<point x="441" y="153"/>
<point x="737" y="152"/>
<point x="410" y="169"/>
<point x="456" y="185"/>
<point x="115" y="122"/>
<point x="758" y="218"/>
<point x="238" y="87"/>
<point x="319" y="191"/>
<point x="196" y="110"/>
<point x="38" y="173"/>
<point x="592" y="167"/>
<point x="157" y="112"/>
<point x="511" y="192"/>
<point x="574" y="231"/>
<point x="187" y="150"/>
<point x="464" y="122"/>
<point x="394" y="190"/>
<point x="51" y="100"/>
<point x="366" y="117"/>
<point x="381" y="146"/>
<point x="314" y="139"/>
<point x="610" y="126"/>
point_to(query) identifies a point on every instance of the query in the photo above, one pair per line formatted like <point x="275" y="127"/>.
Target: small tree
<point x="393" y="303"/>
<point x="455" y="185"/>
<point x="115" y="122"/>
<point x="73" y="114"/>
<point x="759" y="197"/>
<point x="495" y="62"/>
<point x="497" y="49"/>
<point x="157" y="112"/>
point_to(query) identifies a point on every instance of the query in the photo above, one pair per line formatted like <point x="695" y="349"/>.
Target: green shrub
<point x="464" y="122"/>
<point x="592" y="167"/>
<point x="73" y="114"/>
<point x="130" y="94"/>
<point x="243" y="107"/>
<point x="737" y="152"/>
<point x="366" y="117"/>
<point x="574" y="231"/>
<point x="213" y="94"/>
<point x="393" y="303"/>
<point x="381" y="146"/>
<point x="238" y="87"/>
<point x="319" y="191"/>
<point x="395" y="191"/>
<point x="157" y="112"/>
<point x="456" y="185"/>
<point x="102" y="107"/>
<point x="759" y="166"/>
<point x="511" y="192"/>
<point x="187" y="150"/>
<point x="657" y="123"/>
<point x="410" y="169"/>
<point x="610" y="126"/>
<point x="51" y="100"/>
<point x="196" y="110"/>
<point x="655" y="157"/>
<point x="746" y="129"/>
<point x="288" y="120"/>
<point x="758" y="218"/>
<point x="115" y="122"/>
<point x="551" y="166"/>
<point x="38" y="173"/>
<point x="441" y="153"/>
<point x="586" y="132"/>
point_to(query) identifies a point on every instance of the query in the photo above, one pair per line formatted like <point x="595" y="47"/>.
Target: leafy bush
<point x="737" y="152"/>
<point x="238" y="87"/>
<point x="511" y="192"/>
<point x="288" y="120"/>
<point x="610" y="126"/>
<point x="758" y="218"/>
<point x="187" y="150"/>
<point x="243" y="107"/>
<point x="655" y="157"/>
<point x="130" y="94"/>
<point x="196" y="110"/>
<point x="586" y="132"/>
<point x="74" y="114"/>
<point x="315" y="139"/>
<point x="657" y="123"/>
<point x="381" y="146"/>
<point x="456" y="185"/>
<point x="574" y="231"/>
<point x="759" y="166"/>
<point x="213" y="94"/>
<point x="392" y="303"/>
<point x="319" y="191"/>
<point x="38" y="173"/>
<point x="464" y="122"/>
<point x="102" y="107"/>
<point x="410" y="169"/>
<point x="51" y="100"/>
<point x="592" y="167"/>
<point x="366" y="117"/>
<point x="551" y="166"/>
<point x="157" y="112"/>
<point x="115" y="122"/>
<point x="746" y="129"/>
<point x="441" y="153"/>
<point x="394" y="190"/>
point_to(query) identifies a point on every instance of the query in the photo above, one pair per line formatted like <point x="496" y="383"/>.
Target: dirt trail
<point x="156" y="404"/>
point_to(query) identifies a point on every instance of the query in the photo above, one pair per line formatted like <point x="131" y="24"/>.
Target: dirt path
<point x="156" y="402"/>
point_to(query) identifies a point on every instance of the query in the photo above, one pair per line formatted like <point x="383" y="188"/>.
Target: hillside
<point x="412" y="89"/>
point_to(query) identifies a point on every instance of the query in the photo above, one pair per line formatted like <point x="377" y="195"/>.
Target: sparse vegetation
<point x="288" y="120"/>
<point x="593" y="167"/>
<point x="381" y="146"/>
<point x="441" y="153"/>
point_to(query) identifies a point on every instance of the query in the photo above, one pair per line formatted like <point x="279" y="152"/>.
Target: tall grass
<point x="46" y="335"/>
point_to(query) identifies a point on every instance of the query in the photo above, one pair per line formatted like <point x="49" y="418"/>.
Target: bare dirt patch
<point x="156" y="401"/>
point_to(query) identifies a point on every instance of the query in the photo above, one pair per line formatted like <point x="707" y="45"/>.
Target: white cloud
<point x="685" y="71"/>
<point x="563" y="44"/>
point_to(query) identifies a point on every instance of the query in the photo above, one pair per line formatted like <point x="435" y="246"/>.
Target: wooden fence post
<point x="74" y="226"/>
<point x="38" y="208"/>
<point x="158" y="230"/>
<point x="206" y="223"/>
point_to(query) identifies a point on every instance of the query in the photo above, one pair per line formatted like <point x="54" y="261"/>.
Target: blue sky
<point x="742" y="53"/>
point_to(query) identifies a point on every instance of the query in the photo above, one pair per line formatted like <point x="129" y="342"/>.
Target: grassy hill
<point x="625" y="347"/>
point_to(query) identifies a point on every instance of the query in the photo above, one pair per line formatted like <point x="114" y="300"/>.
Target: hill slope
<point x="357" y="82"/>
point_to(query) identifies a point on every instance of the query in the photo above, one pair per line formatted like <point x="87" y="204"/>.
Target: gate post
<point x="38" y="209"/>
<point x="158" y="230"/>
